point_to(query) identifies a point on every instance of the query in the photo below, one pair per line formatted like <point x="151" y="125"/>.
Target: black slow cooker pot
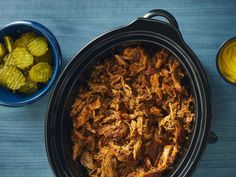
<point x="151" y="33"/>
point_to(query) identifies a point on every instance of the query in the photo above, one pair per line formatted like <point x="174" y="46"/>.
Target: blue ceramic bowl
<point x="7" y="98"/>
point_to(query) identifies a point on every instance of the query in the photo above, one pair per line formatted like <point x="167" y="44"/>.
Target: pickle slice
<point x="24" y="40"/>
<point x="29" y="87"/>
<point x="1" y="75"/>
<point x="8" y="40"/>
<point x="2" y="50"/>
<point x="27" y="37"/>
<point x="19" y="43"/>
<point x="38" y="46"/>
<point x="40" y="72"/>
<point x="8" y="60"/>
<point x="22" y="58"/>
<point x="12" y="77"/>
<point x="47" y="57"/>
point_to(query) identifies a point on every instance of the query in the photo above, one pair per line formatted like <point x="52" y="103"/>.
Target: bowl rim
<point x="57" y="60"/>
<point x="217" y="60"/>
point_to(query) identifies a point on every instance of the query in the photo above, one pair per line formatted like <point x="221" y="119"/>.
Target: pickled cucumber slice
<point x="1" y="75"/>
<point x="8" y="40"/>
<point x="27" y="37"/>
<point x="2" y="50"/>
<point x="47" y="57"/>
<point x="38" y="46"/>
<point x="24" y="39"/>
<point x="19" y="43"/>
<point x="22" y="58"/>
<point x="29" y="87"/>
<point x="40" y="72"/>
<point x="12" y="77"/>
<point x="8" y="60"/>
<point x="4" y="73"/>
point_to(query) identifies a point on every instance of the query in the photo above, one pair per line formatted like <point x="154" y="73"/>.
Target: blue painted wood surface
<point x="204" y="25"/>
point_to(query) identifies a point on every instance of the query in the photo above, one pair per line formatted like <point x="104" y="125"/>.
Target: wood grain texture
<point x="204" y="25"/>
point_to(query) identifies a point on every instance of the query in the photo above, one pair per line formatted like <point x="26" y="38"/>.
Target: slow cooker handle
<point x="159" y="12"/>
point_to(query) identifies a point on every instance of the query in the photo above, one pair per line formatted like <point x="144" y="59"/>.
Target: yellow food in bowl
<point x="227" y="61"/>
<point x="25" y="62"/>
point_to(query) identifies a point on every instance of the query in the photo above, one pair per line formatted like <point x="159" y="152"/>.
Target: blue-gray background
<point x="205" y="24"/>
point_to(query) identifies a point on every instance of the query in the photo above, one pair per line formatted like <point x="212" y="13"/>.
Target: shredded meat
<point x="109" y="164"/>
<point x="134" y="116"/>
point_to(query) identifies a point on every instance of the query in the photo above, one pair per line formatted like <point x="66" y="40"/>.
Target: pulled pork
<point x="133" y="116"/>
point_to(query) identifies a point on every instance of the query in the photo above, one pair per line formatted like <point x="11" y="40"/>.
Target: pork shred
<point x="134" y="115"/>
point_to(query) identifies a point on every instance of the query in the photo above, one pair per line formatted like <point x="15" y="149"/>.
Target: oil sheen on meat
<point x="133" y="116"/>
